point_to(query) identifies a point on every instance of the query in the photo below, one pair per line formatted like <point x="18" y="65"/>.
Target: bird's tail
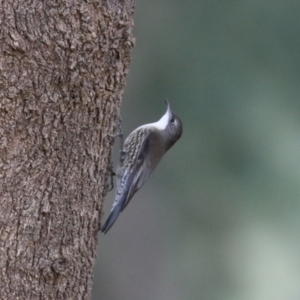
<point x="111" y="219"/>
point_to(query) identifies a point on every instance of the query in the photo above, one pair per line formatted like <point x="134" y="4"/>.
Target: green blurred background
<point x="220" y="216"/>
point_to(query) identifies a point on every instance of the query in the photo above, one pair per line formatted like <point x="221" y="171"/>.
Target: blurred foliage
<point x="219" y="218"/>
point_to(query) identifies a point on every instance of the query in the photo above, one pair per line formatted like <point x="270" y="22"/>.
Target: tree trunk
<point x="62" y="72"/>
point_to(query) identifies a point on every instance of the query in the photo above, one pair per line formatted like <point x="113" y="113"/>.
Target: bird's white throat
<point x="162" y="123"/>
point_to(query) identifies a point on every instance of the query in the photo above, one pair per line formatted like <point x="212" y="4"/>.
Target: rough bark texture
<point x="62" y="71"/>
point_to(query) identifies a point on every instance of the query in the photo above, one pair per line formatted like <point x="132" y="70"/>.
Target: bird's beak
<point x="168" y="106"/>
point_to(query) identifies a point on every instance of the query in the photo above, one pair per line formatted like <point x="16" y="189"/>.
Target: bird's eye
<point x="172" y="120"/>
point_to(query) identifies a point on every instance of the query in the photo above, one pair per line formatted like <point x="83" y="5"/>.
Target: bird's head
<point x="170" y="126"/>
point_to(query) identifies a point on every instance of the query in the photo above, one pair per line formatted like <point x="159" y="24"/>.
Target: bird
<point x="140" y="154"/>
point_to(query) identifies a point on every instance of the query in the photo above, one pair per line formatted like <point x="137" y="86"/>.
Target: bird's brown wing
<point x="139" y="172"/>
<point x="132" y="173"/>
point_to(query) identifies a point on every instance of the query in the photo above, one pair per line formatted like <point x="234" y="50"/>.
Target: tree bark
<point x="63" y="66"/>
